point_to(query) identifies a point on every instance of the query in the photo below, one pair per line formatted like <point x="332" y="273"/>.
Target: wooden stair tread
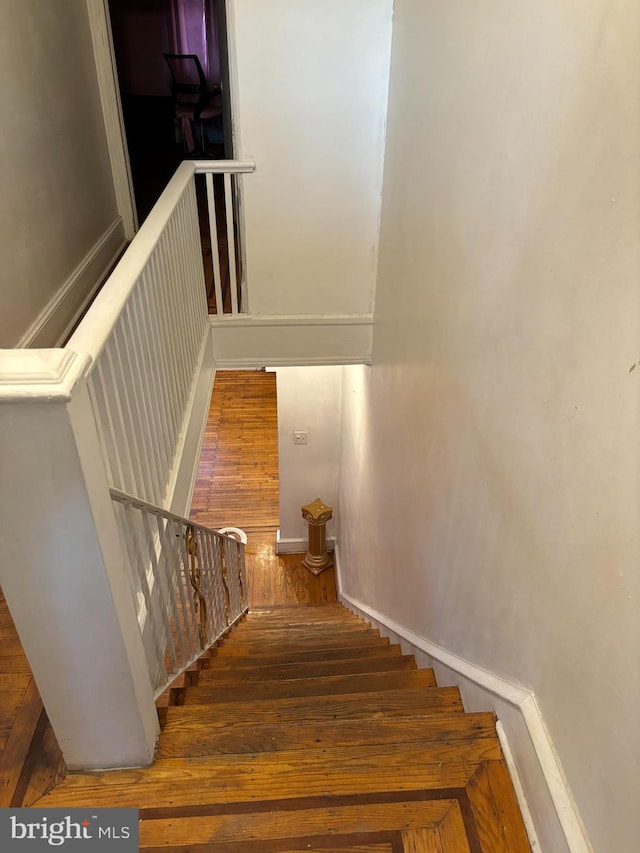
<point x="301" y="607"/>
<point x="186" y="737"/>
<point x="309" y="669"/>
<point x="10" y="647"/>
<point x="210" y="780"/>
<point x="258" y="649"/>
<point x="309" y="635"/>
<point x="16" y="664"/>
<point x="319" y="622"/>
<point x="324" y="614"/>
<point x="403" y="703"/>
<point x="11" y="702"/>
<point x="319" y="616"/>
<point x="291" y="637"/>
<point x="292" y="823"/>
<point x="221" y="657"/>
<point x="495" y="809"/>
<point x="331" y="791"/>
<point x="321" y="687"/>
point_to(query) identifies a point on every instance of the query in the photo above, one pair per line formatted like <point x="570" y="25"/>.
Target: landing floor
<point x="237" y="485"/>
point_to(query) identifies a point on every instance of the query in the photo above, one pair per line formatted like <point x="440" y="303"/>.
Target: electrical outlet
<point x="300" y="436"/>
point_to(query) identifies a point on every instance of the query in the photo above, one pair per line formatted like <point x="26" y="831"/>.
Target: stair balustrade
<point x="189" y="579"/>
<point x="121" y="406"/>
<point x="147" y="333"/>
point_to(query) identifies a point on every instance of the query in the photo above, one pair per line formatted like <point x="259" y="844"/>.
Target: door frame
<point x="102" y="39"/>
<point x="105" y="59"/>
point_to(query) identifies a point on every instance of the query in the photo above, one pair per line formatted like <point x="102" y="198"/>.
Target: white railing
<point x="120" y="407"/>
<point x="226" y="284"/>
<point x="191" y="581"/>
<point x="146" y="332"/>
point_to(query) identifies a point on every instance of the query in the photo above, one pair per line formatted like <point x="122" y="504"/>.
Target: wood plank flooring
<point x="237" y="486"/>
<point x="237" y="479"/>
<point x="30" y="758"/>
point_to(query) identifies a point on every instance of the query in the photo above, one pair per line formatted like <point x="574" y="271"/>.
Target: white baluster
<point x="231" y="242"/>
<point x="215" y="249"/>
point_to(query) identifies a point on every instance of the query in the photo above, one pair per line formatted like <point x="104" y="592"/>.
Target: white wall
<point x="309" y="398"/>
<point x="57" y="202"/>
<point x="311" y="79"/>
<point x="497" y="431"/>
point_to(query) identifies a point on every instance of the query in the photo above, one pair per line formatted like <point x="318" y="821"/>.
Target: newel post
<point x="62" y="569"/>
<point x="317" y="514"/>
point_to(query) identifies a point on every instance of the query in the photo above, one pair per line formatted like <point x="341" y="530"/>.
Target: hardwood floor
<point x="237" y="486"/>
<point x="237" y="480"/>
<point x="30" y="758"/>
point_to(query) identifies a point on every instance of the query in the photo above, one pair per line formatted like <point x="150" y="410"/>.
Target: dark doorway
<point x="143" y="31"/>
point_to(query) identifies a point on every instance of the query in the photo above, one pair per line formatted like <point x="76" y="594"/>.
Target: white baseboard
<point x="247" y="341"/>
<point x="54" y="323"/>
<point x="298" y="546"/>
<point x="183" y="483"/>
<point x="550" y="813"/>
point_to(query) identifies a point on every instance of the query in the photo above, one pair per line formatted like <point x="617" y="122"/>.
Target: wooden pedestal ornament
<point x="316" y="514"/>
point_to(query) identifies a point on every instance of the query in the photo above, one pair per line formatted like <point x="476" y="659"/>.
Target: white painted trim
<point x="278" y="320"/>
<point x="546" y="792"/>
<point x="236" y="142"/>
<point x="40" y="376"/>
<point x="298" y="546"/>
<point x="224" y="167"/>
<point x="232" y="59"/>
<point x="292" y="340"/>
<point x="183" y="482"/>
<point x="104" y="55"/>
<point x="517" y="785"/>
<point x="54" y="323"/>
<point x="319" y="361"/>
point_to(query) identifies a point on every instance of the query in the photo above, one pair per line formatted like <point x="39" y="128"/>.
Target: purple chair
<point x="194" y="102"/>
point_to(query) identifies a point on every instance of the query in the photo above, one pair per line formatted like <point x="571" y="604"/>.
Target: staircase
<point x="305" y="730"/>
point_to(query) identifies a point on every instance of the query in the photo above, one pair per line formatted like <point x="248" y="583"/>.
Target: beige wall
<point x="309" y="400"/>
<point x="490" y="468"/>
<point x="311" y="78"/>
<point x="57" y="198"/>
